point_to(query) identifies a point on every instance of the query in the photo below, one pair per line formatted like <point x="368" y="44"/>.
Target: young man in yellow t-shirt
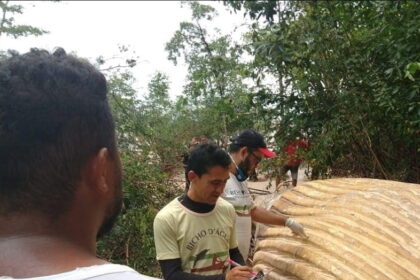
<point x="195" y="233"/>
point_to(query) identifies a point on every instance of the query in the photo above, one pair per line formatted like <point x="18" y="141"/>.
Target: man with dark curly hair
<point x="60" y="172"/>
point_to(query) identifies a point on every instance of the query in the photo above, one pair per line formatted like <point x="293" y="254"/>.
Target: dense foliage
<point x="341" y="69"/>
<point x="147" y="185"/>
<point x="215" y="93"/>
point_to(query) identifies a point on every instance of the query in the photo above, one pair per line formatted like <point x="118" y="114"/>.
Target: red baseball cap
<point x="267" y="153"/>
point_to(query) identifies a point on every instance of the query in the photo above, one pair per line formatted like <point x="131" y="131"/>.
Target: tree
<point x="158" y="94"/>
<point x="343" y="66"/>
<point x="215" y="90"/>
<point x="7" y="22"/>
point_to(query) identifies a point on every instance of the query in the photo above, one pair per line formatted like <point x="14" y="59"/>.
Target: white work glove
<point x="296" y="227"/>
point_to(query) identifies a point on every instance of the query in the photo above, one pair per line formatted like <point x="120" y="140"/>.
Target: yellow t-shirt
<point x="201" y="240"/>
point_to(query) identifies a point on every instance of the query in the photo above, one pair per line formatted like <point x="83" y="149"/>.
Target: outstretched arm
<point x="261" y="215"/>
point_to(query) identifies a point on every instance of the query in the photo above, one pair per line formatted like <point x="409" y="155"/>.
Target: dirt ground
<point x="264" y="183"/>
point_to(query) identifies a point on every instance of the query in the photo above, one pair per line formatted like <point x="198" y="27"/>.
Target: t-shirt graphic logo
<point x="218" y="261"/>
<point x="200" y="256"/>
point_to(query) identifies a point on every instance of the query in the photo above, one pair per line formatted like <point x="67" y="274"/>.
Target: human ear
<point x="243" y="152"/>
<point x="191" y="175"/>
<point x="99" y="171"/>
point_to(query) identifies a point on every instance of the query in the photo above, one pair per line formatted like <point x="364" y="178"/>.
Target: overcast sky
<point x="94" y="28"/>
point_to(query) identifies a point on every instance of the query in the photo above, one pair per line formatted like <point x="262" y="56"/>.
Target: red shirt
<point x="290" y="151"/>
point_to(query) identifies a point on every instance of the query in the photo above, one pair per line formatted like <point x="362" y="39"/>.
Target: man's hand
<point x="296" y="227"/>
<point x="239" y="273"/>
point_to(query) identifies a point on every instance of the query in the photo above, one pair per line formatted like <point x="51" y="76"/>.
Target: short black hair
<point x="54" y="117"/>
<point x="206" y="156"/>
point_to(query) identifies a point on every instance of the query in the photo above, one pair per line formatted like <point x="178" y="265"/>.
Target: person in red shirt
<point x="292" y="154"/>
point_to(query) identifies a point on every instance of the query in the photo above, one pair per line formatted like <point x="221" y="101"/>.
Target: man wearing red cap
<point x="247" y="150"/>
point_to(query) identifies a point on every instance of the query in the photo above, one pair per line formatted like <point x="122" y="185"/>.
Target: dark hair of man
<point x="206" y="156"/>
<point x="54" y="117"/>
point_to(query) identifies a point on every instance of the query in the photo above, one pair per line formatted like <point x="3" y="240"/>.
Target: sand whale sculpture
<point x="357" y="228"/>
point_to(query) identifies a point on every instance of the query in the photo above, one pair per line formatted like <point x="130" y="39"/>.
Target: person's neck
<point x="193" y="196"/>
<point x="17" y="224"/>
<point x="233" y="165"/>
<point x="233" y="169"/>
<point x="27" y="256"/>
<point x="194" y="205"/>
<point x="43" y="248"/>
<point x="37" y="226"/>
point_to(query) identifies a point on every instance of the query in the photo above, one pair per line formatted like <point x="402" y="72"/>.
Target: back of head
<point x="205" y="156"/>
<point x="54" y="116"/>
